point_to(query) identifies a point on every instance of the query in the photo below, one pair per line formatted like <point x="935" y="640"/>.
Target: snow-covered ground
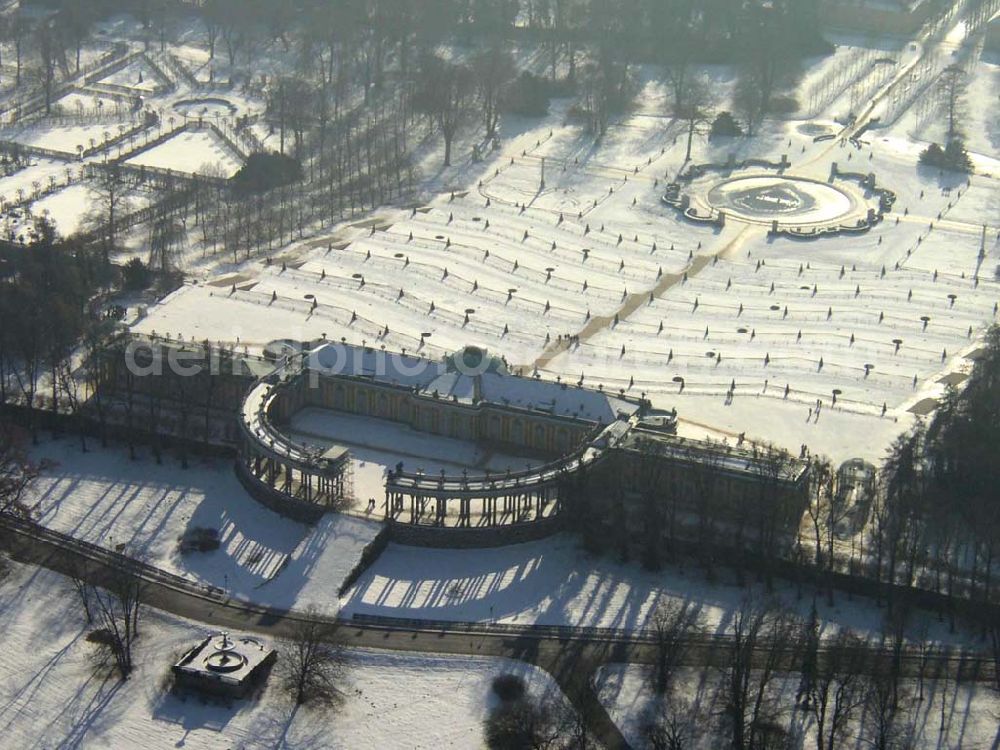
<point x="478" y="268"/>
<point x="67" y="209"/>
<point x="138" y="76"/>
<point x="51" y="695"/>
<point x="67" y="139"/>
<point x="191" y="152"/>
<point x="378" y="445"/>
<point x="555" y="582"/>
<point x="104" y="498"/>
<point x="40" y="172"/>
<point x="747" y="343"/>
<point x="963" y="715"/>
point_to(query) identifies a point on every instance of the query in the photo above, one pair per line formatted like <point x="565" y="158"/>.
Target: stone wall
<point x="519" y="430"/>
<point x="417" y="535"/>
<point x="279" y="502"/>
<point x="878" y="18"/>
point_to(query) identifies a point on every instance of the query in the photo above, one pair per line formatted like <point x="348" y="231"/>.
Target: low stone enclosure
<point x="795" y="207"/>
<point x="224" y="666"/>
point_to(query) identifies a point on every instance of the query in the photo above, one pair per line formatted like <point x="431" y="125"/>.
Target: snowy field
<point x="68" y="208"/>
<point x="479" y="268"/>
<point x="741" y="332"/>
<point x="104" y="498"/>
<point x="951" y="715"/>
<point x="138" y="75"/>
<point x="68" y="139"/>
<point x="198" y="151"/>
<point x="51" y="696"/>
<point x="41" y="172"/>
<point x="77" y="102"/>
<point x="555" y="582"/>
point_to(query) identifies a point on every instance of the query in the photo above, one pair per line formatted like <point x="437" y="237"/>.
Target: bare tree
<point x="445" y="89"/>
<point x="18" y="29"/>
<point x="117" y="606"/>
<point x="84" y="593"/>
<point x="74" y="21"/>
<point x="894" y="633"/>
<point x="314" y="661"/>
<point x="493" y="70"/>
<point x="111" y="200"/>
<point x="696" y="108"/>
<point x="49" y="53"/>
<point x="528" y="724"/>
<point x="96" y="369"/>
<point x="166" y="242"/>
<point x="67" y="383"/>
<point x="829" y="506"/>
<point x="771" y="504"/>
<point x="759" y="632"/>
<point x="838" y="690"/>
<point x="882" y="726"/>
<point x="673" y="728"/>
<point x="952" y="88"/>
<point x="212" y="15"/>
<point x="17" y="471"/>
<point x="672" y="623"/>
<point x="821" y="484"/>
<point x="28" y="326"/>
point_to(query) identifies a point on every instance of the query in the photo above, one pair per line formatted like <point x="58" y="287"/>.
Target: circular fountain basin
<point x="788" y="200"/>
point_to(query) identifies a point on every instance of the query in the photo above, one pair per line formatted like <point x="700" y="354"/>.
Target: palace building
<point x="571" y="435"/>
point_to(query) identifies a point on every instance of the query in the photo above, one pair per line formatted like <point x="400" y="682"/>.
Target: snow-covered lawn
<point x="65" y="138"/>
<point x="50" y="695"/>
<point x="104" y="498"/>
<point x="77" y="102"/>
<point x="138" y="76"/>
<point x="67" y="208"/>
<point x="961" y="715"/>
<point x="479" y="268"/>
<point x="40" y="171"/>
<point x="554" y="582"/>
<point x="191" y="152"/>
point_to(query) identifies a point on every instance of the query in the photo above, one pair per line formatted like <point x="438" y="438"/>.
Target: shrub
<point x="263" y="172"/>
<point x="199" y="539"/>
<point x="783" y="105"/>
<point x="101" y="637"/>
<point x="725" y="126"/>
<point x="369" y="555"/>
<point x="956" y="156"/>
<point x="953" y="156"/>
<point x="932" y="156"/>
<point x="136" y="275"/>
<point x="529" y="96"/>
<point x="509" y="687"/>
